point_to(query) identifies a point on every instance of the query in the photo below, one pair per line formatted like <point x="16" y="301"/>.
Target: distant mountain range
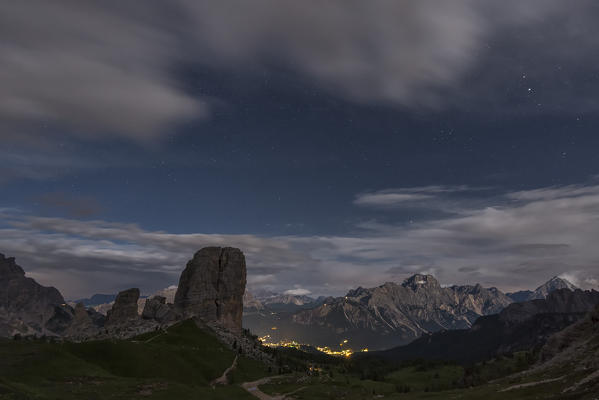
<point x="382" y="317"/>
<point x="520" y="326"/>
<point x="542" y="291"/>
<point x="96" y="300"/>
<point x="278" y="302"/>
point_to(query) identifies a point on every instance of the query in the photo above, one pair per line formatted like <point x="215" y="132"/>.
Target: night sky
<point x="338" y="144"/>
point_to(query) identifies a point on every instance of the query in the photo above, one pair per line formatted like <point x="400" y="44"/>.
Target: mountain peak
<point x="557" y="283"/>
<point x="551" y="285"/>
<point x="420" y="280"/>
<point x="543" y="291"/>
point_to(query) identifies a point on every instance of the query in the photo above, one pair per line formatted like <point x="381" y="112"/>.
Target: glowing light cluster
<point x="344" y="352"/>
<point x="265" y="340"/>
<point x="340" y="353"/>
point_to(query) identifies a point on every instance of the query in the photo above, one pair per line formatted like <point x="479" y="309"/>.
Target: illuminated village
<point x="343" y="352"/>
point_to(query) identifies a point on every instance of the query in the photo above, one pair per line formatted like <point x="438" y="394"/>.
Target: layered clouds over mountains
<point x="513" y="241"/>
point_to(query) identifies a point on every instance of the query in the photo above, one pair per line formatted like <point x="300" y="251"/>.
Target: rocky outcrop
<point x="123" y="320"/>
<point x="157" y="309"/>
<point x="168" y="293"/>
<point x="212" y="285"/>
<point x="393" y="314"/>
<point x="26" y="307"/>
<point x="124" y="309"/>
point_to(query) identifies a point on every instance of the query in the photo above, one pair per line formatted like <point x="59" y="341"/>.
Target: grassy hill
<point x="178" y="364"/>
<point x="181" y="363"/>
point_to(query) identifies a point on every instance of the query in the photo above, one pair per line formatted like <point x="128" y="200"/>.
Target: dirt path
<point x="222" y="380"/>
<point x="529" y="384"/>
<point x="252" y="388"/>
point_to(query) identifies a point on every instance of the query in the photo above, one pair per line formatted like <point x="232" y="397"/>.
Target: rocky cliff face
<point x="212" y="286"/>
<point x="82" y="325"/>
<point x="393" y="313"/>
<point x="26" y="307"/>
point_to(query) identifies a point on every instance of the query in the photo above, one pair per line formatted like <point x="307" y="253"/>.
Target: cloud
<point x="388" y="199"/>
<point x="382" y="51"/>
<point x="414" y="196"/>
<point x="99" y="69"/>
<point x="553" y="193"/>
<point x="511" y="244"/>
<point x="573" y="278"/>
<point x="297" y="292"/>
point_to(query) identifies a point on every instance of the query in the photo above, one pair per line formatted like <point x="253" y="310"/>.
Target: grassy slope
<point x="428" y="383"/>
<point x="179" y="364"/>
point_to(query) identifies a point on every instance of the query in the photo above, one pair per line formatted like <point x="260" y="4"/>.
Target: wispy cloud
<point x="399" y="197"/>
<point x="298" y="292"/>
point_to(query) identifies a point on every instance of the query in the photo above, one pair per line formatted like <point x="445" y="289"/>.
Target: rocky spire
<point x="124" y="309"/>
<point x="212" y="285"/>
